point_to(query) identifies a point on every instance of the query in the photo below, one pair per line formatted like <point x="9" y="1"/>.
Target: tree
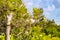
<point x="11" y="11"/>
<point x="37" y="13"/>
<point x="39" y="17"/>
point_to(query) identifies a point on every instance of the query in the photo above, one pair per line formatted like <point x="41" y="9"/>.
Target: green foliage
<point x="37" y="12"/>
<point x="52" y="28"/>
<point x="41" y="29"/>
<point x="16" y="6"/>
<point x="33" y="33"/>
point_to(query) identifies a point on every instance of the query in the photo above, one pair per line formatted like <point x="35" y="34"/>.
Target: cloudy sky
<point x="51" y="8"/>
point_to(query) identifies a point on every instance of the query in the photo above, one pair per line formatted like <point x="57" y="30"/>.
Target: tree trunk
<point x="8" y="27"/>
<point x="8" y="32"/>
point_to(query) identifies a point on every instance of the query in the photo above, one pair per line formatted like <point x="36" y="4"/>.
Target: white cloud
<point x="57" y="22"/>
<point x="50" y="8"/>
<point x="58" y="1"/>
<point x="28" y="2"/>
<point x="48" y="11"/>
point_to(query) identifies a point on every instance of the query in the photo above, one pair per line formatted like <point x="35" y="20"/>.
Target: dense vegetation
<point x="24" y="26"/>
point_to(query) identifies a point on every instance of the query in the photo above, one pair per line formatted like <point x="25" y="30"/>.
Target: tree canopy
<point x="23" y="26"/>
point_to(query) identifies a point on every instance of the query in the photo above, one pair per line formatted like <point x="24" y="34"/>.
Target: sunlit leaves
<point x="37" y="12"/>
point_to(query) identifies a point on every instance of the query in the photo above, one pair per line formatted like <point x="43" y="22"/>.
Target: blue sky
<point x="51" y="8"/>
